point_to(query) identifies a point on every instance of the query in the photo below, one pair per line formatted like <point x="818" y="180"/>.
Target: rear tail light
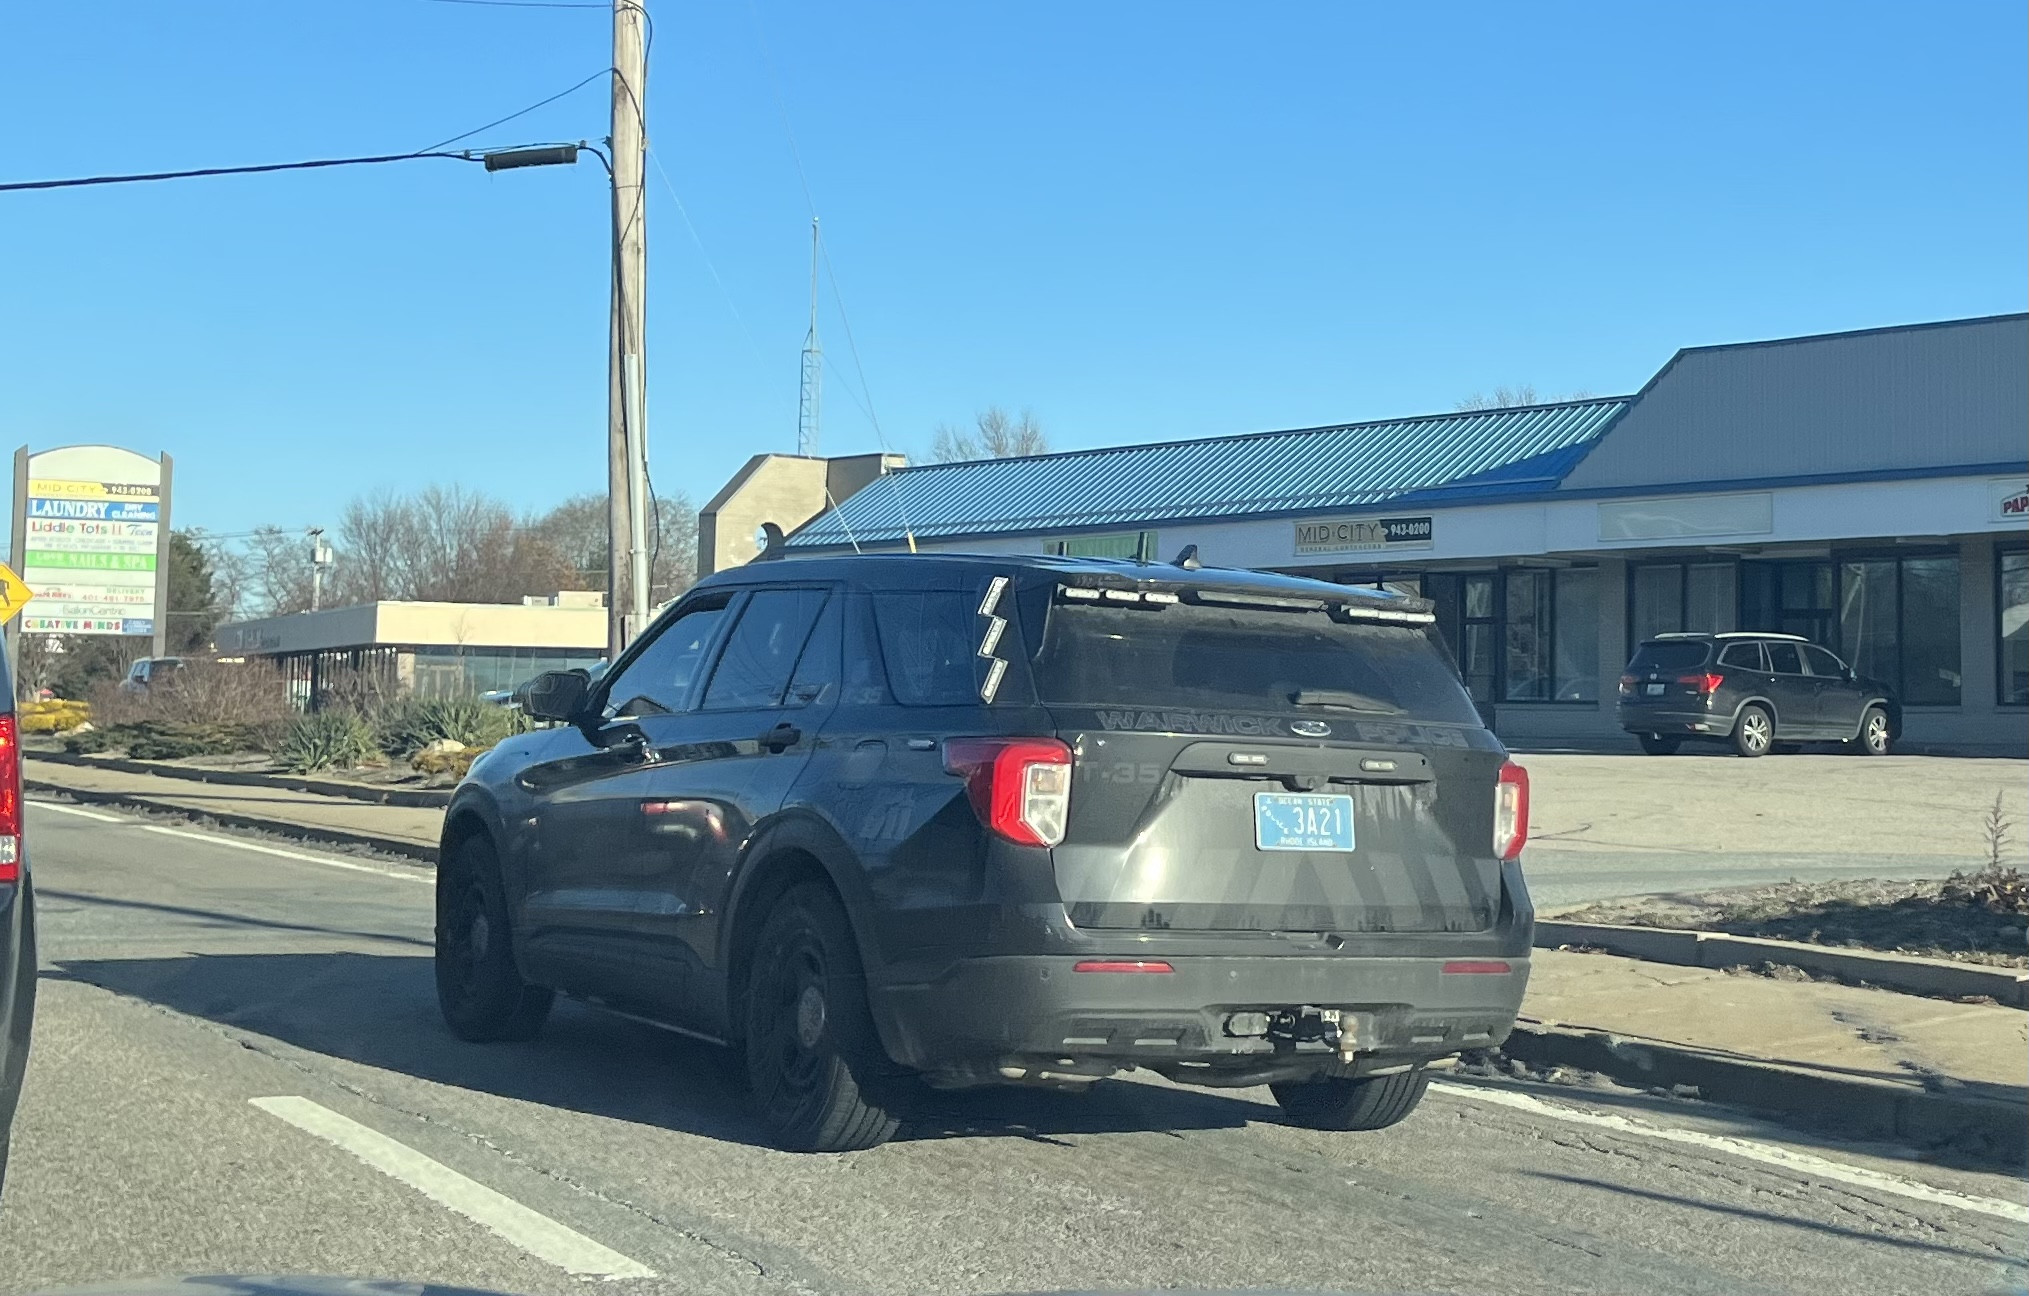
<point x="1511" y="811"/>
<point x="1627" y="683"/>
<point x="1705" y="684"/>
<point x="1019" y="787"/>
<point x="1476" y="967"/>
<point x="10" y="799"/>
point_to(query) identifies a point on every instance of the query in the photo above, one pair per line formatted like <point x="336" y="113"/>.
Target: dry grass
<point x="1978" y="917"/>
<point x="250" y="697"/>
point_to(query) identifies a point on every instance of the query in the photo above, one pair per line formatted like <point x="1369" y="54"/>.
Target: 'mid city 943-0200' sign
<point x="1356" y="535"/>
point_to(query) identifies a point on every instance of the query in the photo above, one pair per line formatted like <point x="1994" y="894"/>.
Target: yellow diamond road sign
<point x="13" y="594"/>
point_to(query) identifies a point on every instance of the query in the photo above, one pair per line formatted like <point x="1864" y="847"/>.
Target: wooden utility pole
<point x="626" y="399"/>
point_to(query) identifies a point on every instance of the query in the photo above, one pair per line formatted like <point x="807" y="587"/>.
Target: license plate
<point x="1303" y="821"/>
<point x="1653" y="690"/>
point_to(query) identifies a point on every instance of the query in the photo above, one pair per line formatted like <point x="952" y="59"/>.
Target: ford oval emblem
<point x="1310" y="728"/>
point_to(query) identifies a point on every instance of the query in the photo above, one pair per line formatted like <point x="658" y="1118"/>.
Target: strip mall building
<point x="1868" y="490"/>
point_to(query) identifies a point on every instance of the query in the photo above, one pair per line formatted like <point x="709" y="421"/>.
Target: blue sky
<point x="1141" y="221"/>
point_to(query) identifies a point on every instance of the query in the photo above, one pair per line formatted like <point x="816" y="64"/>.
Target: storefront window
<point x="1465" y="617"/>
<point x="1527" y="670"/>
<point x="1658" y="600"/>
<point x="1127" y="544"/>
<point x="2014" y="627"/>
<point x="1667" y="597"/>
<point x="1552" y="638"/>
<point x="1868" y="619"/>
<point x="1899" y="622"/>
<point x="1576" y="650"/>
<point x="1711" y="600"/>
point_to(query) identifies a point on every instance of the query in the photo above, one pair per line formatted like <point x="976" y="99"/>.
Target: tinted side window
<point x="1784" y="659"/>
<point x="754" y="669"/>
<point x="1822" y="662"/>
<point x="819" y="669"/>
<point x="930" y="640"/>
<point x="658" y="681"/>
<point x="1747" y="656"/>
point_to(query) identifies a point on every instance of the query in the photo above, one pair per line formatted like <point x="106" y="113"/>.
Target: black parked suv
<point x="1757" y="692"/>
<point x="895" y="820"/>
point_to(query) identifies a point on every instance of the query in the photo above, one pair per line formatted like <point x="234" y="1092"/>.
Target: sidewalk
<point x="398" y="829"/>
<point x="1837" y="1029"/>
<point x="1863" y="1061"/>
<point x="1876" y="1064"/>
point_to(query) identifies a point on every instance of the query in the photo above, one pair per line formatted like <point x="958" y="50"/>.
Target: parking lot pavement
<point x="1614" y="825"/>
<point x="238" y="1066"/>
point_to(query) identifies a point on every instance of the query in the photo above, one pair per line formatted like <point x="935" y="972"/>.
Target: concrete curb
<point x="1974" y="1120"/>
<point x="260" y="823"/>
<point x="1903" y="972"/>
<point x="410" y="798"/>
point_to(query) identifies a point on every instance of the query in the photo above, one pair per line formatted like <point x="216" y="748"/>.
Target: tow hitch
<point x="1346" y="1033"/>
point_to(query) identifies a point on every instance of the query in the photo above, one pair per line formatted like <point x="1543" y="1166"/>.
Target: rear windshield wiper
<point x="1343" y="698"/>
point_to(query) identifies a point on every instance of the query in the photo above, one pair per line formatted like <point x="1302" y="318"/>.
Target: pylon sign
<point x="91" y="537"/>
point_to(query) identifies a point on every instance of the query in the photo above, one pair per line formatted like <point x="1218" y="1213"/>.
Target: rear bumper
<point x="1673" y="720"/>
<point x="1030" y="1017"/>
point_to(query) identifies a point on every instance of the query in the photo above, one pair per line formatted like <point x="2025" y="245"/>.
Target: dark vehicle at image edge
<point x="17" y="919"/>
<point x="1755" y="692"/>
<point x="895" y="820"/>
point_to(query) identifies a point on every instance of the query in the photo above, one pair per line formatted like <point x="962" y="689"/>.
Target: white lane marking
<point x="213" y="839"/>
<point x="535" y="1233"/>
<point x="82" y="813"/>
<point x="1767" y="1153"/>
<point x="237" y="843"/>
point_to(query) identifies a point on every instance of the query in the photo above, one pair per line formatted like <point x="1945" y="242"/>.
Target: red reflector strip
<point x="1478" y="967"/>
<point x="1123" y="965"/>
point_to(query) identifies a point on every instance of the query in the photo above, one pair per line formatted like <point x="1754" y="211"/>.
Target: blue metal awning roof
<point x="1436" y="459"/>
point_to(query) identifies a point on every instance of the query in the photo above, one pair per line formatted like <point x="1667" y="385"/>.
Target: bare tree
<point x="1510" y="397"/>
<point x="996" y="435"/>
<point x="372" y="530"/>
<point x="575" y="531"/>
<point x="279" y="571"/>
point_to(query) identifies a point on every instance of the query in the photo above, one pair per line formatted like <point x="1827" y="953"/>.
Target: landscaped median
<point x="1930" y="1049"/>
<point x="275" y="803"/>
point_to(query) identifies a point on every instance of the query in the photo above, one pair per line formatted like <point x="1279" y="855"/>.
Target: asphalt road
<point x="187" y="975"/>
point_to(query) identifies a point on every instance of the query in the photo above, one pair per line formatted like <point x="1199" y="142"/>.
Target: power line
<point x="80" y="182"/>
<point x="541" y="103"/>
<point x="525" y="4"/>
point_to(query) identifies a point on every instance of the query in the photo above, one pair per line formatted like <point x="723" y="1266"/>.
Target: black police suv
<point x="1756" y="692"/>
<point x="17" y="919"/>
<point x="887" y="820"/>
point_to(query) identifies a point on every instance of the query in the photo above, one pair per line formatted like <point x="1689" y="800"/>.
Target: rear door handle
<point x="782" y="737"/>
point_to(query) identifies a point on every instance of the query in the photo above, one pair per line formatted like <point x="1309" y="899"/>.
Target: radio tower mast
<point x="808" y="412"/>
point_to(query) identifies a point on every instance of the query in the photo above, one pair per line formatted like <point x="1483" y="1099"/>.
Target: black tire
<point x="1660" y="744"/>
<point x="1876" y="737"/>
<point x="479" y="988"/>
<point x="1338" y="1103"/>
<point x="1754" y="731"/>
<point x="813" y="1059"/>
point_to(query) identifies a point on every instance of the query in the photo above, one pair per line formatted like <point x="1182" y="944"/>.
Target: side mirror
<point x="556" y="695"/>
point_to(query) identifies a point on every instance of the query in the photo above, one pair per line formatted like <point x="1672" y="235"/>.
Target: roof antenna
<point x="768" y="539"/>
<point x="1188" y="559"/>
